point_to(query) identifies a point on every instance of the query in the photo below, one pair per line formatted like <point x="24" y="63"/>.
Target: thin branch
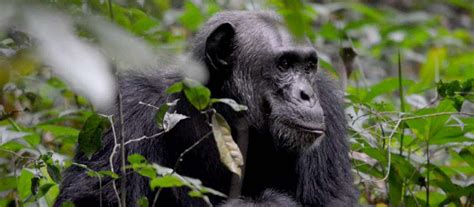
<point x="389" y="151"/>
<point x="98" y="176"/>
<point x="147" y="104"/>
<point x="143" y="138"/>
<point x="123" y="171"/>
<point x="111" y="159"/>
<point x="179" y="160"/>
<point x="437" y="114"/>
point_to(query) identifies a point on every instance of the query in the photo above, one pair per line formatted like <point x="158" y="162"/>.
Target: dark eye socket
<point x="284" y="63"/>
<point x="286" y="60"/>
<point x="311" y="65"/>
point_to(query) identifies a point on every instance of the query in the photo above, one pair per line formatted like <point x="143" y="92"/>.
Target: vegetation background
<point x="407" y="67"/>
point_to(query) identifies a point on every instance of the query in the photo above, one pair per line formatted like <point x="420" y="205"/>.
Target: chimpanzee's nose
<point x="304" y="94"/>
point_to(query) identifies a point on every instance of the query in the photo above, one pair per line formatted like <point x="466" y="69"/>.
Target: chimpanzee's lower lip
<point x="318" y="129"/>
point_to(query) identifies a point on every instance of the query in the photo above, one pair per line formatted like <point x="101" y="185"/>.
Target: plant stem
<point x="402" y="100"/>
<point x="402" y="128"/>
<point x="428" y="173"/>
<point x="178" y="161"/>
<point x="111" y="11"/>
<point x="123" y="178"/>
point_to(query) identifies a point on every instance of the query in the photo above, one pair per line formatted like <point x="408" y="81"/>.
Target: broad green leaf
<point x="136" y="159"/>
<point x="233" y="104"/>
<point x="199" y="96"/>
<point x="229" y="152"/>
<point x="192" y="17"/>
<point x="175" y="88"/>
<point x="60" y="131"/>
<point x="386" y="86"/>
<point x="369" y="12"/>
<point x="434" y="62"/>
<point x="7" y="183"/>
<point x="395" y="187"/>
<point x="24" y="184"/>
<point x="468" y="156"/>
<point x="167" y="181"/>
<point x="370" y="170"/>
<point x="44" y="189"/>
<point x="147" y="171"/>
<point x="90" y="137"/>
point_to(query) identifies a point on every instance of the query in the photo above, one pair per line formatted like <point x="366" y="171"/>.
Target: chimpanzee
<point x="297" y="148"/>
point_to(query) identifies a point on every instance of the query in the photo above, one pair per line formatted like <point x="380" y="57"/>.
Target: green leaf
<point x="434" y="62"/>
<point x="468" y="156"/>
<point x="7" y="183"/>
<point x="54" y="172"/>
<point x="195" y="194"/>
<point x="198" y="95"/>
<point x="175" y="88"/>
<point x="143" y="202"/>
<point x="233" y="104"/>
<point x="167" y="181"/>
<point x="60" y="131"/>
<point x="136" y="159"/>
<point x="45" y="188"/>
<point x="229" y="152"/>
<point x="67" y="204"/>
<point x="192" y="17"/>
<point x="90" y="137"/>
<point x="386" y="86"/>
<point x="147" y="171"/>
<point x="24" y="184"/>
<point x="109" y="174"/>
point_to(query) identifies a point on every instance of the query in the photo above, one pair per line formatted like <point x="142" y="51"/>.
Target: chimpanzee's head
<point x="253" y="59"/>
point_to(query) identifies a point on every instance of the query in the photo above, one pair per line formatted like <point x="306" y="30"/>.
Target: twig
<point x="437" y="114"/>
<point x="179" y="160"/>
<point x="388" y="150"/>
<point x="111" y="159"/>
<point x="427" y="173"/>
<point x="147" y="104"/>
<point x="143" y="138"/>
<point x="98" y="176"/>
<point x="123" y="171"/>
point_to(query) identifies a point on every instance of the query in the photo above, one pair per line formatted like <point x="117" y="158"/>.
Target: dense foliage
<point x="409" y="94"/>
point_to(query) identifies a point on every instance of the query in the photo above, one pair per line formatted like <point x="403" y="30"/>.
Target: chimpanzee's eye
<point x="312" y="65"/>
<point x="284" y="64"/>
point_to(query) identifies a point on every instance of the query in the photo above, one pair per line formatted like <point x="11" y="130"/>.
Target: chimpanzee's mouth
<point x="318" y="129"/>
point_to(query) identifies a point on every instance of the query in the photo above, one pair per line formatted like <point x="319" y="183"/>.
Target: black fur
<point x="285" y="166"/>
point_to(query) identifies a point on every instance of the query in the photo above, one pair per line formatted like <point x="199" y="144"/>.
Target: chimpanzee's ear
<point x="219" y="46"/>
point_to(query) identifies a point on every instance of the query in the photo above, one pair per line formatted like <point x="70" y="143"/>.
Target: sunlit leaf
<point x="171" y="119"/>
<point x="199" y="96"/>
<point x="24" y="184"/>
<point x="166" y="181"/>
<point x="229" y="152"/>
<point x="230" y="102"/>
